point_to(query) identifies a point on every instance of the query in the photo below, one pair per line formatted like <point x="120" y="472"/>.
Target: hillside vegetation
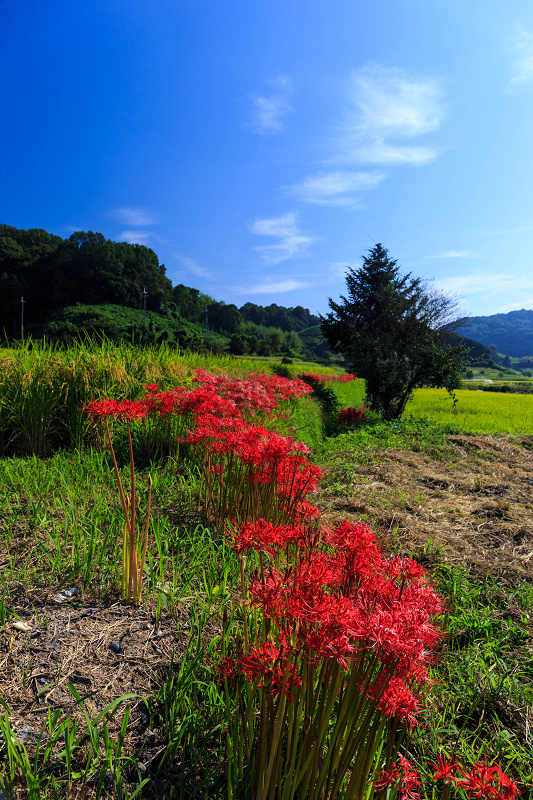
<point x="510" y="334"/>
<point x="88" y="285"/>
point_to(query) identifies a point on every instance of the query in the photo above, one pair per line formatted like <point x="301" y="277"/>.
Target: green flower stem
<point x="132" y="583"/>
<point x="277" y="728"/>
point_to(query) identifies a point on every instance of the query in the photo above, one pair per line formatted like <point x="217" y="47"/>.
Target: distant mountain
<point x="511" y="333"/>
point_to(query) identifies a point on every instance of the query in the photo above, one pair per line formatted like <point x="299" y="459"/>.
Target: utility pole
<point x="145" y="295"/>
<point x="22" y="301"/>
<point x="206" y="325"/>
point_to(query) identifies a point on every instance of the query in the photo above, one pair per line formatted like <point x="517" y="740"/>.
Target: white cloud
<point x="379" y="152"/>
<point x="136" y="218"/>
<point x="274" y="287"/>
<point x="269" y="111"/>
<point x="133" y="216"/>
<point x="291" y="242"/>
<point x="486" y="283"/>
<point x="456" y="254"/>
<point x="527" y="302"/>
<point x="389" y="104"/>
<point x="522" y="47"/>
<point x="135" y="237"/>
<point x="193" y="267"/>
<point x="338" y="270"/>
<point x="335" y="188"/>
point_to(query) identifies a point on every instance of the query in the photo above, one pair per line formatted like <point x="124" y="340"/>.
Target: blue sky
<point x="262" y="146"/>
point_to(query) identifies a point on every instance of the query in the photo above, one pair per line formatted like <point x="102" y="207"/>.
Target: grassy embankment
<point x="151" y="718"/>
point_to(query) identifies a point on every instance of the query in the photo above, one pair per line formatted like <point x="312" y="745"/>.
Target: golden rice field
<point x="480" y="412"/>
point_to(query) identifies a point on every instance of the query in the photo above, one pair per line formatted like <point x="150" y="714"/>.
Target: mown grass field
<point x="83" y="721"/>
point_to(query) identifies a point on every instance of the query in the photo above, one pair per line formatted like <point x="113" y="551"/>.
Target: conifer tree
<point x="397" y="333"/>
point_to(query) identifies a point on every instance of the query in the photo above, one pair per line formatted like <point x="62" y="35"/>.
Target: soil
<point x="475" y="505"/>
<point x="105" y="651"/>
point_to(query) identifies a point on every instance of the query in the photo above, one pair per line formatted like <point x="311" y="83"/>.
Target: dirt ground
<point x="105" y="652"/>
<point x="476" y="504"/>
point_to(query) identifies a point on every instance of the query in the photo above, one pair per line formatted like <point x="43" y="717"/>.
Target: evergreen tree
<point x="396" y="333"/>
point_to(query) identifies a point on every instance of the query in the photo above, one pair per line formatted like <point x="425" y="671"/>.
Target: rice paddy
<point x="476" y="411"/>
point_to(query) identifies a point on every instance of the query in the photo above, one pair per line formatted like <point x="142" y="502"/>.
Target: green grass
<point x="61" y="525"/>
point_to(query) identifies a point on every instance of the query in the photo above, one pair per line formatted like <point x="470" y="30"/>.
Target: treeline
<point x="52" y="273"/>
<point x="87" y="285"/>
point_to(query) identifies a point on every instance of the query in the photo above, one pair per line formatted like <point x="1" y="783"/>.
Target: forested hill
<point x="80" y="284"/>
<point x="52" y="272"/>
<point x="511" y="333"/>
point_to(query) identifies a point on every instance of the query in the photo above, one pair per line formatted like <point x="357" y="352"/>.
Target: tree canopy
<point x="396" y="333"/>
<point x="85" y="268"/>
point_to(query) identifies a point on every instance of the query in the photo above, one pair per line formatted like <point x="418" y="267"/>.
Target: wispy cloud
<point x="526" y="302"/>
<point x="292" y="241"/>
<point x="269" y="110"/>
<point x="274" y="287"/>
<point x="335" y="188"/>
<point x="135" y="237"/>
<point x="192" y="267"/>
<point x="522" y="49"/>
<point x="387" y="105"/>
<point x="136" y="217"/>
<point x="485" y="283"/>
<point x="456" y="254"/>
<point x="338" y="270"/>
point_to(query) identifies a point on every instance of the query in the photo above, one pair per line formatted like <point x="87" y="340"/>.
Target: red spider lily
<point x="445" y="769"/>
<point x="351" y="416"/>
<point x="484" y="781"/>
<point x="397" y="701"/>
<point x="133" y="546"/>
<point x="265" y="665"/>
<point x="405" y="569"/>
<point x="306" y="512"/>
<point x="125" y="410"/>
<point x="402" y="777"/>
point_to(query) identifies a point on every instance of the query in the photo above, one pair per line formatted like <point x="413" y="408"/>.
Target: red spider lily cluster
<point x="482" y="780"/>
<point x="351" y="416"/>
<point x="258" y="393"/>
<point x="329" y="622"/>
<point x="479" y="782"/>
<point x="247" y="470"/>
<point x="311" y="379"/>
